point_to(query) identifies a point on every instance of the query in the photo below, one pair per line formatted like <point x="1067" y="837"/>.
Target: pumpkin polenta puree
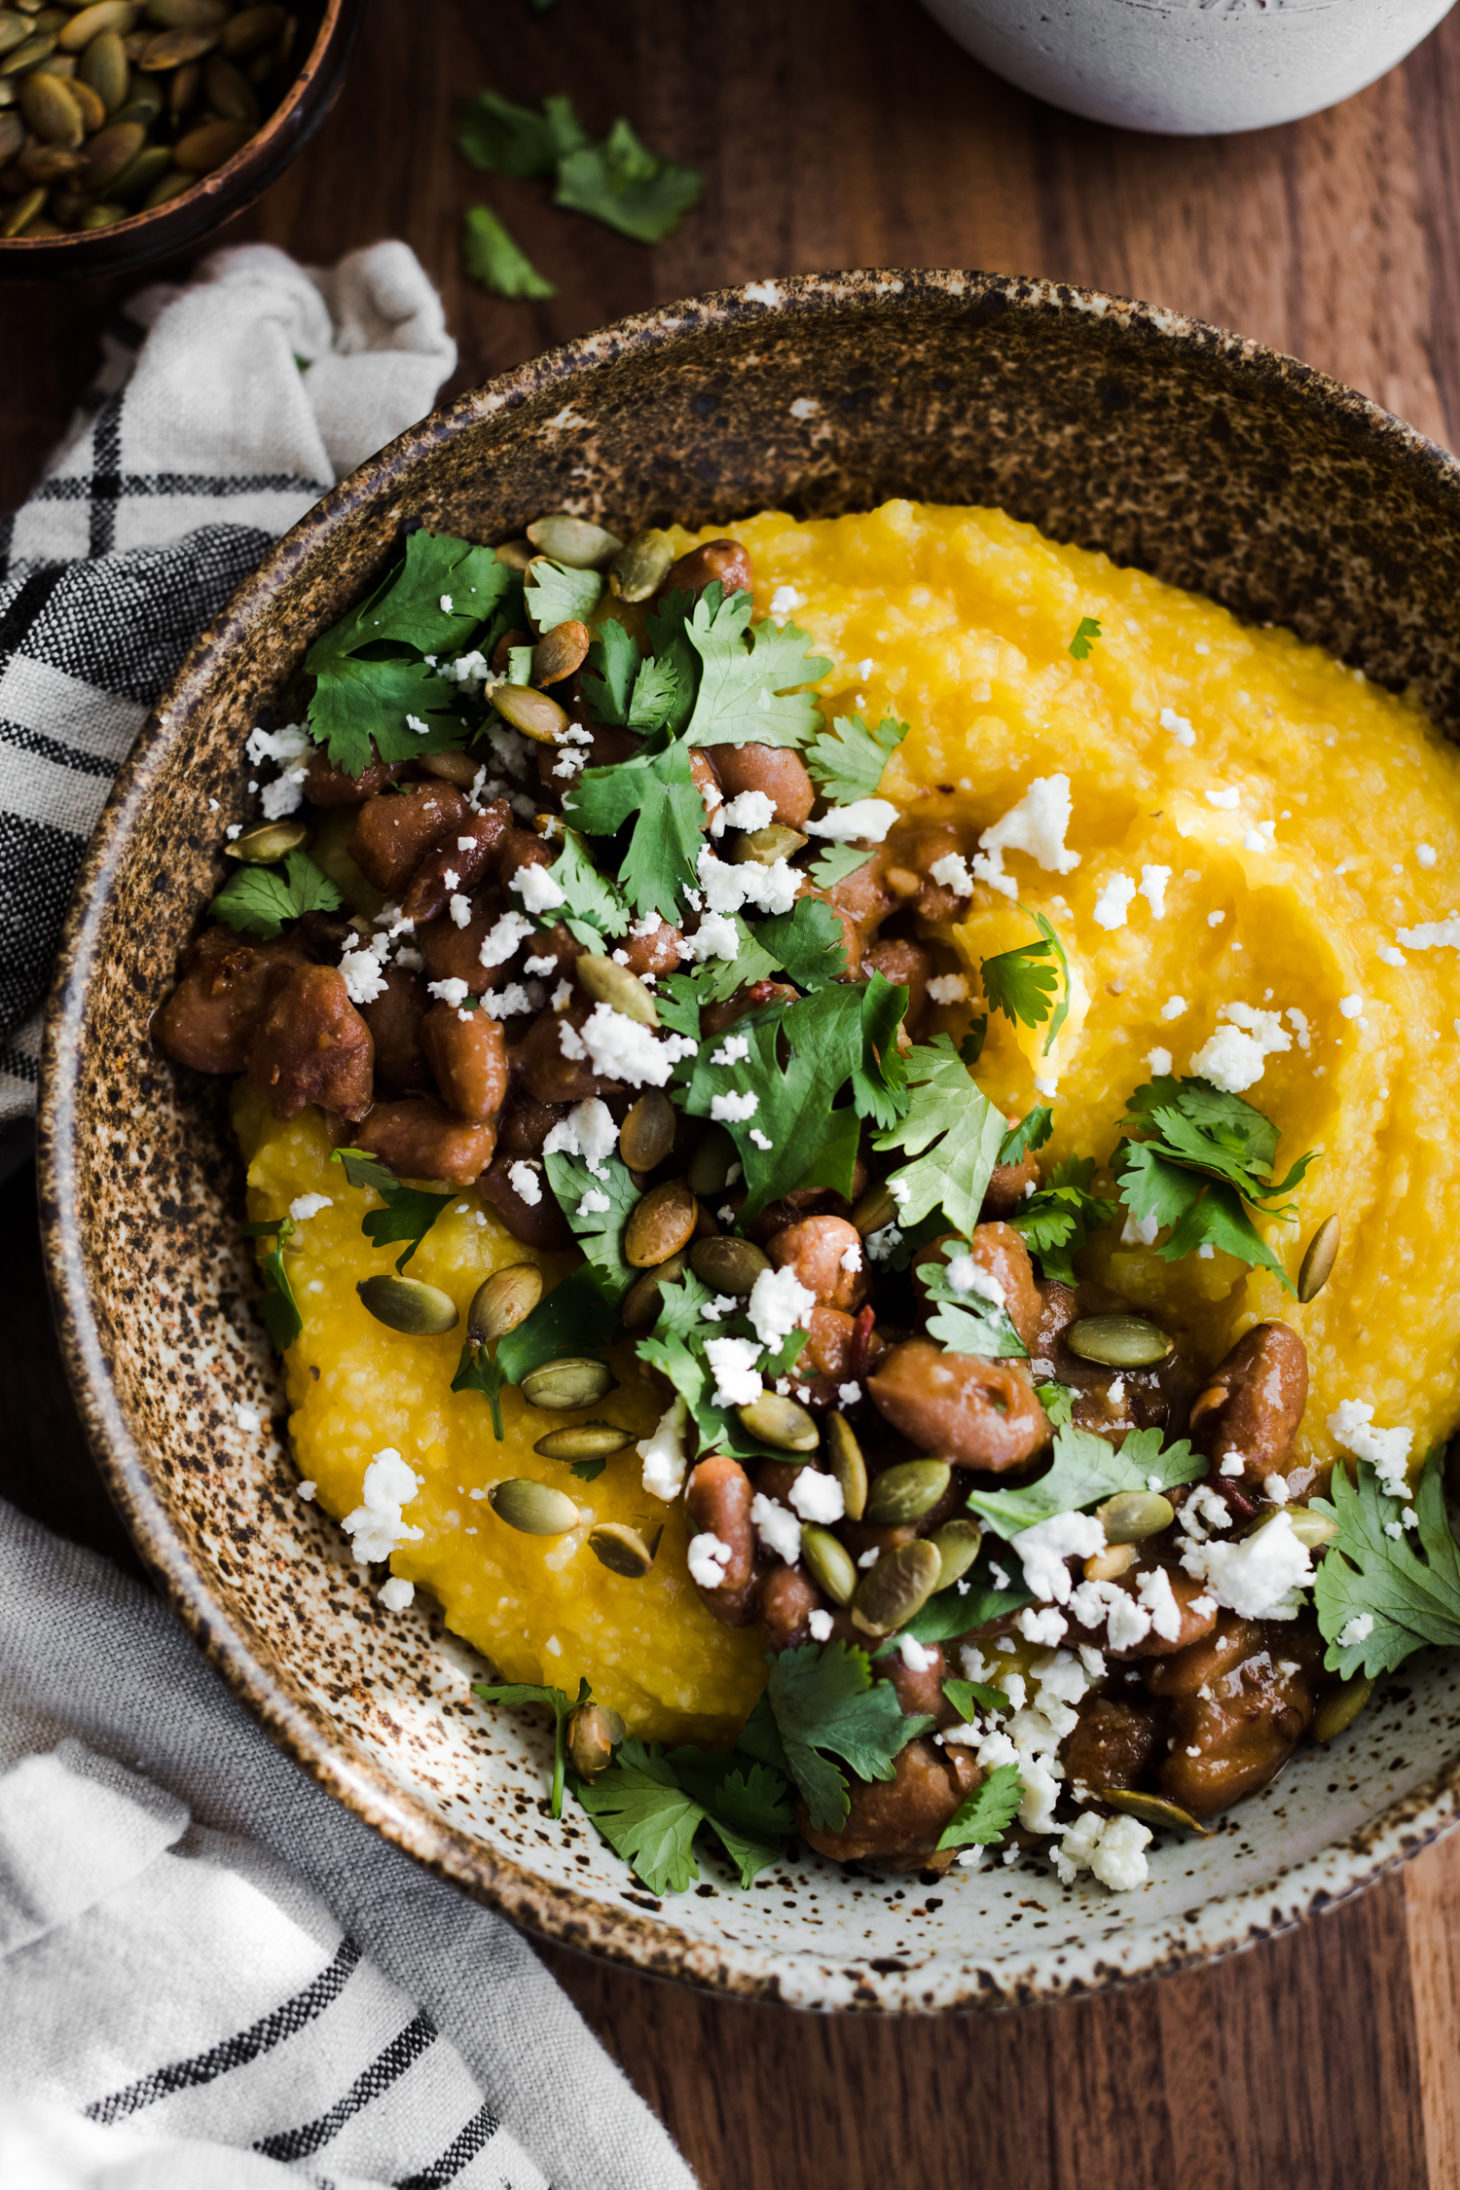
<point x="1344" y="829"/>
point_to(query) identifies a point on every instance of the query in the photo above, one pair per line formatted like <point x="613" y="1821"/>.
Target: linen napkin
<point x="212" y="1973"/>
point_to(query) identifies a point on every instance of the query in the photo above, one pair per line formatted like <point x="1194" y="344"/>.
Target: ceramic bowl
<point x="1200" y="457"/>
<point x="1186" y="67"/>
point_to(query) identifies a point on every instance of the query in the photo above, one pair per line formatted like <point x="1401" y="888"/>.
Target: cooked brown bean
<point x="210" y="1018"/>
<point x="312" y="1046"/>
<point x="1195" y="1604"/>
<point x="978" y="1414"/>
<point x="787" y="1599"/>
<point x="705" y="777"/>
<point x="919" y="1687"/>
<point x="863" y="901"/>
<point x="526" y="1125"/>
<point x="999" y="1253"/>
<point x="657" y="953"/>
<point x="518" y="848"/>
<point x="919" y="850"/>
<point x="1254" y="1401"/>
<point x="1241" y="1699"/>
<point x="467" y="1053"/>
<point x="909" y="966"/>
<point x="327" y="785"/>
<point x="540" y="1223"/>
<point x="1006" y="1188"/>
<point x="420" y="1139"/>
<point x="394" y="1019"/>
<point x="395" y="832"/>
<point x="464" y="855"/>
<point x="722" y="559"/>
<point x="455" y="954"/>
<point x="773" y="769"/>
<point x="899" y="1822"/>
<point x="817" y="1248"/>
<point x="608" y="745"/>
<point x="549" y="1076"/>
<point x="1115" y="1743"/>
<point x="717" y="1500"/>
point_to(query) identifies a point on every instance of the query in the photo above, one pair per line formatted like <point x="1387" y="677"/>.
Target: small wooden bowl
<point x="215" y="198"/>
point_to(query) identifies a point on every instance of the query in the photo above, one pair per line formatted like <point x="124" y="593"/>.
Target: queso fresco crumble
<point x="809" y="1180"/>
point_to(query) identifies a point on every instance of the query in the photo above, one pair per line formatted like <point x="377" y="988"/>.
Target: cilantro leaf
<point x="646" y="1817"/>
<point x="1016" y="985"/>
<point x="836" y="863"/>
<point x="261" y="900"/>
<point x="599" y="1231"/>
<point x="879" y="1082"/>
<point x="516" y="1694"/>
<point x="1207" y="1153"/>
<point x="659" y="791"/>
<point x="808" y="1142"/>
<point x="1055" y="1221"/>
<point x="409" y="1212"/>
<point x="847" y="760"/>
<point x="961" y="1611"/>
<point x="970" y="1697"/>
<point x="1085" y="1471"/>
<point x="806" y="944"/>
<point x="743" y="696"/>
<point x="966" y="1322"/>
<point x="669" y="641"/>
<point x="592" y="908"/>
<point x="826" y="1704"/>
<point x="574" y="1318"/>
<point x="476" y="1371"/>
<point x="952" y="1132"/>
<point x="494" y="259"/>
<point x="409" y="607"/>
<point x="278" y="1308"/>
<point x="1058" y="1402"/>
<point x="986" y="1814"/>
<point x="746" y="1802"/>
<point x="1032" y="1131"/>
<point x="660" y="697"/>
<point x="503" y="138"/>
<point x="556" y="594"/>
<point x="676" y="1348"/>
<point x="626" y="186"/>
<point x="1411" y="1597"/>
<point x="361" y="711"/>
<point x="1087" y="631"/>
<point x="613" y="663"/>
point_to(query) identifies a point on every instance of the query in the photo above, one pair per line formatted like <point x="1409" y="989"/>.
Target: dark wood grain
<point x="835" y="135"/>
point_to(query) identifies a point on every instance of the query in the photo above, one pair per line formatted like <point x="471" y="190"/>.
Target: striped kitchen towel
<point x="221" y="412"/>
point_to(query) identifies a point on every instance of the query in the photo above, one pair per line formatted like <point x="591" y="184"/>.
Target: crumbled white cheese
<point x="1045" y="1625"/>
<point x="1158" y="1062"/>
<point x="850" y="1258"/>
<point x="1177" y="725"/>
<point x="1275" y="1488"/>
<point x="537" y="889"/>
<point x="1111" y="1848"/>
<point x="776" y="1529"/>
<point x="748" y="810"/>
<point x="1153" y="1587"/>
<point x="506" y="1003"/>
<point x="1351" y="1425"/>
<point x="307" y="1490"/>
<point x="1114" y="901"/>
<point x="526" y="1185"/>
<point x="587" y="1131"/>
<point x="786" y="600"/>
<point x="733" y="1107"/>
<point x="622" y="1049"/>
<point x="305" y="1206"/>
<point x="1257" y="1576"/>
<point x="1234" y="1057"/>
<point x="1105" y="1605"/>
<point x="1139" y="1231"/>
<point x="1356" y="1630"/>
<point x="969" y="1277"/>
<point x="1352" y="1007"/>
<point x="948" y="988"/>
<point x="819" y="1622"/>
<point x="1036" y="825"/>
<point x="396" y="1593"/>
<point x="866" y="821"/>
<point x="1426" y="854"/>
<point x="376" y="1526"/>
<point x="1153" y="889"/>
<point x="248" y="1418"/>
<point x="848" y="1395"/>
<point x="1044" y="1548"/>
<point x="779" y="1304"/>
<point x="728" y="887"/>
<point x="1229" y="798"/>
<point x="1432" y="935"/>
<point x="1174" y="1007"/>
<point x="503" y="939"/>
<point x="707" y="1559"/>
<point x="717" y="936"/>
<point x="737" y="1381"/>
<point x="914" y="1655"/>
<point x="594" y="1204"/>
<point x="663" y="1455"/>
<point x="817" y="1496"/>
<point x="883" y="1244"/>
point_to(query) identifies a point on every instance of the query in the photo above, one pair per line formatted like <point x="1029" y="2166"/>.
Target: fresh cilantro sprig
<point x="836" y="863"/>
<point x="634" y="690"/>
<point x="409" y="1212"/>
<point x="495" y="260"/>
<point x="555" y="593"/>
<point x="967" y="1322"/>
<point x="1055" y="1221"/>
<point x="1086" y="1470"/>
<point x="592" y="907"/>
<point x="1021" y="985"/>
<point x="847" y="761"/>
<point x="951" y="1132"/>
<point x="278" y="1308"/>
<point x="826" y="1704"/>
<point x="806" y="944"/>
<point x="1087" y="631"/>
<point x="1204" y="1154"/>
<point x="599" y="1230"/>
<point x="1032" y="1131"/>
<point x="618" y="181"/>
<point x="986" y="1815"/>
<point x="1058" y="1402"/>
<point x="749" y="674"/>
<point x="516" y="1695"/>
<point x="652" y="1802"/>
<point x="502" y="138"/>
<point x="967" y="1606"/>
<point x="657" y="791"/>
<point x="262" y="901"/>
<point x="1410" y="1596"/>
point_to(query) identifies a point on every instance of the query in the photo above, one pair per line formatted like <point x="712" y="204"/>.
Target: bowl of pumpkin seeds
<point x="131" y="128"/>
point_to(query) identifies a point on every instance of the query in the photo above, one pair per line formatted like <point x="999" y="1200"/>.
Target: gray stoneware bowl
<point x="1205" y="459"/>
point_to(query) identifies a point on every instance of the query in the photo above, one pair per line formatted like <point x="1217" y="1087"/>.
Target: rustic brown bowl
<point x="1207" y="460"/>
<point x="215" y="198"/>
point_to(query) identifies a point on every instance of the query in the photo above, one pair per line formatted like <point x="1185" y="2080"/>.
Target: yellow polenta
<point x="1305" y="818"/>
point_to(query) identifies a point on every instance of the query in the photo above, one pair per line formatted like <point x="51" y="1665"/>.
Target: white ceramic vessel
<point x="1190" y="67"/>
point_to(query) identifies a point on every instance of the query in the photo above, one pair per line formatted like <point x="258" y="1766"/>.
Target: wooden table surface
<point x="835" y="136"/>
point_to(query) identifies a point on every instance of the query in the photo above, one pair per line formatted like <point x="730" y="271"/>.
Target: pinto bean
<point x="1114" y="1744"/>
<point x="526" y="1125"/>
<point x="455" y="954"/>
<point x="726" y="560"/>
<point x="421" y="1139"/>
<point x="467" y="853"/>
<point x="999" y="1253"/>
<point x="210" y="1018"/>
<point x="518" y="848"/>
<point x="657" y="953"/>
<point x="607" y="747"/>
<point x="394" y="1019"/>
<point x="1240" y="1699"/>
<point x="788" y="1597"/>
<point x="549" y="1076"/>
<point x="919" y="850"/>
<point x="899" y="1822"/>
<point x="909" y="966"/>
<point x="816" y="1248"/>
<point x="863" y="901"/>
<point x="312" y="1046"/>
<point x="826" y="1359"/>
<point x="1007" y="1182"/>
<point x="467" y="1052"/>
<point x="717" y="1499"/>
<point x="395" y="832"/>
<point x="1254" y="1401"/>
<point x="919" y="1688"/>
<point x="773" y="769"/>
<point x="327" y="785"/>
<point x="537" y="1224"/>
<point x="978" y="1414"/>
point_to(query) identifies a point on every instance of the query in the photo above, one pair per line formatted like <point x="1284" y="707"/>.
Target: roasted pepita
<point x="728" y="1265"/>
<point x="623" y="1550"/>
<point x="594" y="1732"/>
<point x="574" y="542"/>
<point x="661" y="1224"/>
<point x="572" y="1381"/>
<point x="637" y="570"/>
<point x="640" y="1304"/>
<point x="780" y="1421"/>
<point x="1318" y="1260"/>
<point x="408" y="1304"/>
<point x="534" y="1508"/>
<point x="532" y="712"/>
<point x="559" y="652"/>
<point x="584" y="1441"/>
<point x="1339" y="1707"/>
<point x="1151" y="1810"/>
<point x="844" y="1458"/>
<point x="646" y="1136"/>
<point x="1133" y="1515"/>
<point x="957" y="1545"/>
<point x="267" y="841"/>
<point x="829" y="1563"/>
<point x="1118" y="1341"/>
<point x="502" y="1301"/>
<point x="906" y="1491"/>
<point x="607" y="982"/>
<point x="899" y="1585"/>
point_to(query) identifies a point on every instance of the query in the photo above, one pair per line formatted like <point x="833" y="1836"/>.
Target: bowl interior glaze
<point x="1201" y="458"/>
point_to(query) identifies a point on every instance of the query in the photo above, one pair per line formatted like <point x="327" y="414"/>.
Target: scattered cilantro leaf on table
<point x="262" y="901"/>
<point x="409" y="1212"/>
<point x="651" y="1802"/>
<point x="1086" y="1470"/>
<point x="811" y="1144"/>
<point x="967" y="1323"/>
<point x="1032" y="1131"/>
<point x="846" y="761"/>
<point x="626" y="186"/>
<point x="826" y="1704"/>
<point x="746" y="670"/>
<point x="592" y="907"/>
<point x="1055" y="1221"/>
<point x="1087" y="631"/>
<point x="496" y="261"/>
<point x="659" y="791"/>
<point x="556" y="594"/>
<point x="986" y="1814"/>
<point x="599" y="1232"/>
<point x="502" y="138"/>
<point x="515" y="1694"/>
<point x="1206" y="1154"/>
<point x="278" y="1308"/>
<point x="951" y="1133"/>
<point x="1411" y="1596"/>
<point x="970" y="1697"/>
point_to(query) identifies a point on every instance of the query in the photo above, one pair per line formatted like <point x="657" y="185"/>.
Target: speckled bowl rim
<point x="1218" y="1927"/>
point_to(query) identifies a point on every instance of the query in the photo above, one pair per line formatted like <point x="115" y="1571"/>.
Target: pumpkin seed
<point x="172" y="185"/>
<point x="1309" y="1527"/>
<point x="844" y="1456"/>
<point x="728" y="1265"/>
<point x="534" y="713"/>
<point x="875" y="1210"/>
<point x="1318" y="1261"/>
<point x="48" y="163"/>
<point x="1133" y="1515"/>
<point x="14" y="29"/>
<point x="142" y="174"/>
<point x="641" y="1303"/>
<point x="1108" y="1565"/>
<point x="714" y="1158"/>
<point x="51" y="111"/>
<point x="228" y="91"/>
<point x="1151" y="1810"/>
<point x="12" y="136"/>
<point x="1339" y="1707"/>
<point x="574" y="1380"/>
<point x="906" y="1491"/>
<point x="502" y="1301"/>
<point x="23" y="212"/>
<point x="574" y="541"/>
<point x="898" y="1586"/>
<point x="622" y="1549"/>
<point x="594" y="1732"/>
<point x="116" y="16"/>
<point x="91" y="103"/>
<point x="763" y="847"/>
<point x="647" y="1134"/>
<point x="781" y="1422"/>
<point x="1118" y="1341"/>
<point x="187" y="14"/>
<point x="559" y="652"/>
<point x="104" y="215"/>
<point x="957" y="1545"/>
<point x="207" y="147"/>
<point x="36" y="48"/>
<point x="267" y="841"/>
<point x="251" y="30"/>
<point x="408" y="1304"/>
<point x="144" y="101"/>
<point x="516" y="554"/>
<point x="584" y="1441"/>
<point x="457" y="768"/>
<point x="110" y="152"/>
<point x="607" y="982"/>
<point x="105" y="67"/>
<point x="183" y="86"/>
<point x="661" y="1224"/>
<point x="174" y="49"/>
<point x="829" y="1563"/>
<point x="637" y="571"/>
<point x="534" y="1508"/>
